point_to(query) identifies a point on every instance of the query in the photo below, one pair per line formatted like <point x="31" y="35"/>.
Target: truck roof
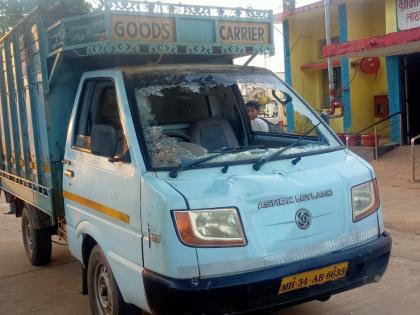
<point x="118" y="33"/>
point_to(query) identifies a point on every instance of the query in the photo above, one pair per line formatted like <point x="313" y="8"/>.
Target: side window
<point x="82" y="132"/>
<point x="98" y="125"/>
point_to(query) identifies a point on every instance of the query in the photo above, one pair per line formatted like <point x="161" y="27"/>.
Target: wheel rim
<point x="28" y="236"/>
<point x="103" y="289"/>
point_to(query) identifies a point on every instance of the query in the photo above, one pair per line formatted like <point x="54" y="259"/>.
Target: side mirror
<point x="104" y="140"/>
<point x="281" y="96"/>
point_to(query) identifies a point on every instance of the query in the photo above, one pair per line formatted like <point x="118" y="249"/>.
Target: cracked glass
<point x="187" y="113"/>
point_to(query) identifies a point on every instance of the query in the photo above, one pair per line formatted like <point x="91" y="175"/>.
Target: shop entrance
<point x="411" y="108"/>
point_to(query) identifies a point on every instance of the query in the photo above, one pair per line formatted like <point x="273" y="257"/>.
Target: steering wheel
<point x="177" y="134"/>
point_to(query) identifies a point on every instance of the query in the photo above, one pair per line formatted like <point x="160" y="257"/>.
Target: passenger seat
<point x="213" y="133"/>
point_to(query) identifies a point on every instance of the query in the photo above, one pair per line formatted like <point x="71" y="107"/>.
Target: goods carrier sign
<point x="164" y="30"/>
<point x="146" y="28"/>
<point x="143" y="28"/>
<point x="244" y="32"/>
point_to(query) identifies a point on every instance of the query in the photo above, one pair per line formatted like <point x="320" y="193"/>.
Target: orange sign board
<point x="143" y="28"/>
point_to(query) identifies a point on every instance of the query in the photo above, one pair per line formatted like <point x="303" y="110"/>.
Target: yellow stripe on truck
<point x="110" y="212"/>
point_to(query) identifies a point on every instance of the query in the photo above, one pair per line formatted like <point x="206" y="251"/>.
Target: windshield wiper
<point x="257" y="165"/>
<point x="240" y="149"/>
<point x="190" y="164"/>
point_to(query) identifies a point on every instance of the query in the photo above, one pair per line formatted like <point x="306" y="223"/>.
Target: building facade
<point x="376" y="53"/>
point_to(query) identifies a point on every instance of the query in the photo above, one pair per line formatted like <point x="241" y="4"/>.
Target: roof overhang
<point x="316" y="66"/>
<point x="398" y="43"/>
<point x="279" y="17"/>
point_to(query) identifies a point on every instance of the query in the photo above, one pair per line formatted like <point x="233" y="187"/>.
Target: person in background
<point x="257" y="124"/>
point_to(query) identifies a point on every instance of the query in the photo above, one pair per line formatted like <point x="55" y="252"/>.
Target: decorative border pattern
<point x="182" y="9"/>
<point x="111" y="47"/>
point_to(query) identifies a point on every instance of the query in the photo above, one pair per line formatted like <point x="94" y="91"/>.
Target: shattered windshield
<point x="190" y="114"/>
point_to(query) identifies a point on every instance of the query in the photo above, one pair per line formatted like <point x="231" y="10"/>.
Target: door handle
<point x="66" y="162"/>
<point x="69" y="173"/>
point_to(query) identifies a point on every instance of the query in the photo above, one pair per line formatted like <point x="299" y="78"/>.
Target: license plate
<point x="313" y="277"/>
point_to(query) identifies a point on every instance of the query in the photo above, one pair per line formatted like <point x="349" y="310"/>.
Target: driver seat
<point x="213" y="133"/>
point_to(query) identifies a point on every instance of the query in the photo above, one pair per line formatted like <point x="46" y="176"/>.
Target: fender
<point x="40" y="220"/>
<point x="84" y="228"/>
<point x="77" y="236"/>
<point x="130" y="290"/>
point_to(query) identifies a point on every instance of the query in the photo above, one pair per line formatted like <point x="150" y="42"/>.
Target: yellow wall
<point x="391" y="18"/>
<point x="365" y="19"/>
<point x="306" y="32"/>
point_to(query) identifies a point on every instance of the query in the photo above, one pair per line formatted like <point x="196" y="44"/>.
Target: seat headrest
<point x="213" y="133"/>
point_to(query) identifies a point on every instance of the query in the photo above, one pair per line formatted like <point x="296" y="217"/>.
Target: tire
<point x="37" y="242"/>
<point x="104" y="296"/>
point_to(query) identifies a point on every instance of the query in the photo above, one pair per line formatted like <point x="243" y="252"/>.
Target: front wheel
<point x="37" y="242"/>
<point x="104" y="296"/>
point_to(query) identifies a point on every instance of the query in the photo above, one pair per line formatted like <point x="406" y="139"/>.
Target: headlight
<point x="210" y="227"/>
<point x="365" y="200"/>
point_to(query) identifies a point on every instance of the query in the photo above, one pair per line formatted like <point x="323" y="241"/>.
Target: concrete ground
<point x="400" y="197"/>
<point x="25" y="289"/>
<point x="56" y="289"/>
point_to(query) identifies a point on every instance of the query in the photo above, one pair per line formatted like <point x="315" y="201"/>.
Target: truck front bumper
<point x="253" y="291"/>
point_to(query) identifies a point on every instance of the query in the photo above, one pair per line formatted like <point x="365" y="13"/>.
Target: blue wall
<point x="288" y="74"/>
<point x="393" y="70"/>
<point x="345" y="82"/>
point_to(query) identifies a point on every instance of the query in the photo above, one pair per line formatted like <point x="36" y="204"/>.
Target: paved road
<point x="56" y="289"/>
<point x="25" y="289"/>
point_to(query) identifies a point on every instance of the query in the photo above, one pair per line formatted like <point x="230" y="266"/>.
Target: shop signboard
<point x="408" y="14"/>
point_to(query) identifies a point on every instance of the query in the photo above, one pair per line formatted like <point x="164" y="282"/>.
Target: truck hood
<point x="268" y="201"/>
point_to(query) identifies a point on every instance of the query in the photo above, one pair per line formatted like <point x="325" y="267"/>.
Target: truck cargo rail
<point x="26" y="190"/>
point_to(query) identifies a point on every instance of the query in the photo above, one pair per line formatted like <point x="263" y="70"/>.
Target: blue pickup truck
<point x="125" y="131"/>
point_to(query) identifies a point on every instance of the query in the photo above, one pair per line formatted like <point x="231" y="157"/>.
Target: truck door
<point x="101" y="185"/>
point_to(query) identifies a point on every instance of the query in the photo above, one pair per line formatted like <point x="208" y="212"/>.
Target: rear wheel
<point x="37" y="242"/>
